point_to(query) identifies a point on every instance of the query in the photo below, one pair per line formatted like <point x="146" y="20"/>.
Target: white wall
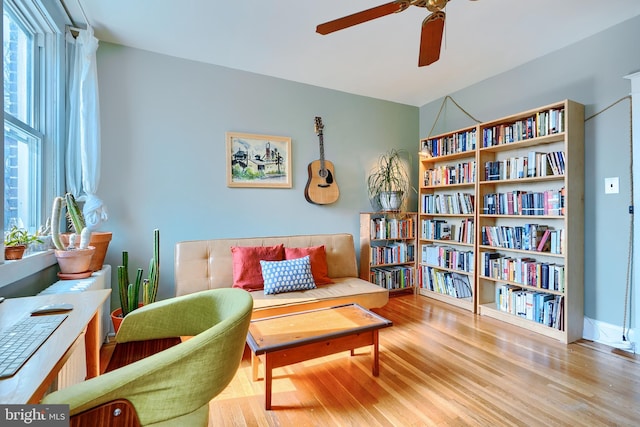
<point x="590" y="72"/>
<point x="163" y="144"/>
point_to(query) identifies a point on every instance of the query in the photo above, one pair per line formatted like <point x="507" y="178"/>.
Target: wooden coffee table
<point x="284" y="340"/>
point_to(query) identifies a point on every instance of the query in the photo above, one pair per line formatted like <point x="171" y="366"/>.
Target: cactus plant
<point x="76" y="219"/>
<point x="130" y="292"/>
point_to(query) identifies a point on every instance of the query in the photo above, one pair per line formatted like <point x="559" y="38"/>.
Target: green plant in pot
<point x="74" y="258"/>
<point x="98" y="239"/>
<point x="16" y="241"/>
<point x="129" y="292"/>
<point x="389" y="182"/>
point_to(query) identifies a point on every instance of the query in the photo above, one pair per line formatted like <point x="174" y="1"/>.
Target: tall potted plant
<point x="389" y="182"/>
<point x="129" y="292"/>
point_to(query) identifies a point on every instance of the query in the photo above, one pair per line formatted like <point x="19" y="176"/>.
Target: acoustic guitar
<point x="322" y="188"/>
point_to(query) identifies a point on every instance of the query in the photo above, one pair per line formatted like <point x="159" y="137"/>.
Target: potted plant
<point x="130" y="292"/>
<point x="98" y="239"/>
<point x="16" y="241"/>
<point x="73" y="257"/>
<point x="389" y="182"/>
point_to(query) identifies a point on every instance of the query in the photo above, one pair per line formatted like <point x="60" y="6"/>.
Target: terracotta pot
<point x="99" y="240"/>
<point x="14" y="252"/>
<point x="116" y="318"/>
<point x="75" y="261"/>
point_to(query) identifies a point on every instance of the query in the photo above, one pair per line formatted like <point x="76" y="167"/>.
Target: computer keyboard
<point x="22" y="339"/>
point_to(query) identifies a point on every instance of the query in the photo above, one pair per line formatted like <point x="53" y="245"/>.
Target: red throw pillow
<point x="318" y="257"/>
<point x="247" y="273"/>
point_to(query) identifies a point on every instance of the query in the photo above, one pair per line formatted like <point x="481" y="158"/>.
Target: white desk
<point x="29" y="384"/>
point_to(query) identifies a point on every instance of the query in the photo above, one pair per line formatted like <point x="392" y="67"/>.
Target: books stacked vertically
<point x="449" y="283"/>
<point x="524" y="271"/>
<point x="519" y="202"/>
<point x="539" y="124"/>
<point x="392" y="228"/>
<point x="457" y="142"/>
<point x="447" y="257"/>
<point x="397" y="277"/>
<point x="392" y="253"/>
<point x="456" y="203"/>
<point x="459" y="173"/>
<point x="527" y="237"/>
<point x="539" y="307"/>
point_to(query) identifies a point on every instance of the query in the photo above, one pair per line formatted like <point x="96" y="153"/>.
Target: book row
<point x="457" y="203"/>
<point x="392" y="228"/>
<point x="393" y="253"/>
<point x="535" y="164"/>
<point x="540" y="124"/>
<point x="439" y="229"/>
<point x="524" y="271"/>
<point x="536" y="306"/>
<point x="460" y="173"/>
<point x="458" y="142"/>
<point x="445" y="282"/>
<point x="446" y="257"/>
<point x="548" y="202"/>
<point x="528" y="237"/>
<point x="393" y="277"/>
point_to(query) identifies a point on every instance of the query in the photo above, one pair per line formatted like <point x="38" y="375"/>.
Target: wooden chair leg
<point x="117" y="413"/>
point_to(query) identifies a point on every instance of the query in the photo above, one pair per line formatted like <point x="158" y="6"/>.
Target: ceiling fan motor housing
<point x="434" y="5"/>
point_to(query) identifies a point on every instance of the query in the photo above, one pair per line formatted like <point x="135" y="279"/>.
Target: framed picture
<point x="260" y="161"/>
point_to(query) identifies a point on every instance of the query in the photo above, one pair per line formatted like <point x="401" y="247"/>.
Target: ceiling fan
<point x="432" y="26"/>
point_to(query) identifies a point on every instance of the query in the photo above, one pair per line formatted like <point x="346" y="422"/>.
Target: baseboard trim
<point x="608" y="334"/>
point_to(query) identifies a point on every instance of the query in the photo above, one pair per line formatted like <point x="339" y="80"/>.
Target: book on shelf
<point x="544" y="245"/>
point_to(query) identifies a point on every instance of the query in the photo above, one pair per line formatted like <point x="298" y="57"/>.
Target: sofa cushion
<point x="318" y="257"/>
<point x="287" y="276"/>
<point x="247" y="273"/>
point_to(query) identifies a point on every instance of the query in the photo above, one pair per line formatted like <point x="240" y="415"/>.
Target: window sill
<point x="12" y="271"/>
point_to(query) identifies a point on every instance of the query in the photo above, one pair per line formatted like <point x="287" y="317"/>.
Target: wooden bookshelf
<point x="531" y="217"/>
<point x="388" y="249"/>
<point x="446" y="214"/>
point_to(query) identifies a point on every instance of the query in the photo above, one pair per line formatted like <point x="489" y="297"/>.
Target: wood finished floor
<point x="442" y="366"/>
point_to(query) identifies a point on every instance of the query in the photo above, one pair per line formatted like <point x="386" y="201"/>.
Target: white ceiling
<point x="378" y="58"/>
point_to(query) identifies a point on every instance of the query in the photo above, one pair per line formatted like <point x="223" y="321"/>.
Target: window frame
<point x="50" y="20"/>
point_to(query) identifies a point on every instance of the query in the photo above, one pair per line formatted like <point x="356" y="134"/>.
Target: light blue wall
<point x="163" y="145"/>
<point x="590" y="72"/>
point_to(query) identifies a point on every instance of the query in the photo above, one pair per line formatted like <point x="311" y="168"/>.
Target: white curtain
<point x="83" y="144"/>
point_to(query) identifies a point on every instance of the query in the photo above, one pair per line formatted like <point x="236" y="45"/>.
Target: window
<point x="30" y="63"/>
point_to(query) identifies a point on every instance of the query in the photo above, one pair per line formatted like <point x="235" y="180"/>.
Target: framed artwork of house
<point x="261" y="161"/>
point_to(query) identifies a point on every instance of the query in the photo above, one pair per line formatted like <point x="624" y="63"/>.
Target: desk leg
<point x="267" y="381"/>
<point x="92" y="346"/>
<point x="376" y="358"/>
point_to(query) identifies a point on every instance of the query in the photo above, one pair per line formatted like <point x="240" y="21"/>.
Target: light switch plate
<point x="612" y="185"/>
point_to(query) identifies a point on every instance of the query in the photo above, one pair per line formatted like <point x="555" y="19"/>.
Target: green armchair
<point x="172" y="387"/>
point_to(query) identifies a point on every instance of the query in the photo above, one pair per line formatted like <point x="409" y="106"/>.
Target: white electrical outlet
<point x="611" y="185"/>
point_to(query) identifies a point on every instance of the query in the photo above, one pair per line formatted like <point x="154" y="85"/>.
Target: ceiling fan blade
<point x="360" y="17"/>
<point x="431" y="38"/>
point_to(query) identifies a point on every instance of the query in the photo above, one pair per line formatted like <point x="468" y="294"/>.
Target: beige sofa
<point x="208" y="264"/>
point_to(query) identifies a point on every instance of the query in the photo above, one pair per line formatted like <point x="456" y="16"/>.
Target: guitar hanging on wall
<point x="321" y="189"/>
